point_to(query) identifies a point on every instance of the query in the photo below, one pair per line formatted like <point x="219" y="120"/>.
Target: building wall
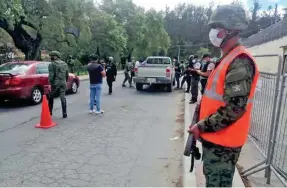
<point x="269" y="64"/>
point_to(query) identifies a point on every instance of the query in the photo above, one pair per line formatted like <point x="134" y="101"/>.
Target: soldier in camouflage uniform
<point x="127" y="72"/>
<point x="219" y="161"/>
<point x="58" y="77"/>
<point x="70" y="62"/>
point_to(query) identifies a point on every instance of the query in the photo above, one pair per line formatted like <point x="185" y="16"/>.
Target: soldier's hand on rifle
<point x="193" y="129"/>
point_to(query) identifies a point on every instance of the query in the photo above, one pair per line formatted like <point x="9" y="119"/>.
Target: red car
<point x="29" y="80"/>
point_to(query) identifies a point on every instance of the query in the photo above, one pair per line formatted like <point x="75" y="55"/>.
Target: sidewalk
<point x="196" y="178"/>
<point x="86" y="77"/>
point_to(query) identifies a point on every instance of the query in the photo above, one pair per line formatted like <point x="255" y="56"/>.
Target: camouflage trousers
<point x="59" y="89"/>
<point x="219" y="165"/>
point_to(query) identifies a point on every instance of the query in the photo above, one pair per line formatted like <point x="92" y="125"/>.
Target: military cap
<point x="55" y="53"/>
<point x="93" y="57"/>
<point x="230" y="17"/>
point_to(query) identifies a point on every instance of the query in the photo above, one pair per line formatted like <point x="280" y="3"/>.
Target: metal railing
<point x="268" y="128"/>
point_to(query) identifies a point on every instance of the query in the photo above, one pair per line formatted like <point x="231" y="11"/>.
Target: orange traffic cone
<point x="46" y="121"/>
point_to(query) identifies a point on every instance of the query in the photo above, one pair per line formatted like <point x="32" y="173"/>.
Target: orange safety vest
<point x="236" y="134"/>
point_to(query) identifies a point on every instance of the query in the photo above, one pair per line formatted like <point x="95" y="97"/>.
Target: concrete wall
<point x="269" y="64"/>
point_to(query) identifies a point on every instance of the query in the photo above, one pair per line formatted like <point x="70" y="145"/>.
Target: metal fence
<point x="269" y="122"/>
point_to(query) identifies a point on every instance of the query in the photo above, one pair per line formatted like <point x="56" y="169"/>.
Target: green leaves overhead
<point x="114" y="27"/>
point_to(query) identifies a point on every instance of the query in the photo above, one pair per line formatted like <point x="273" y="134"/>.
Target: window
<point x="14" y="68"/>
<point x="43" y="68"/>
<point x="158" y="61"/>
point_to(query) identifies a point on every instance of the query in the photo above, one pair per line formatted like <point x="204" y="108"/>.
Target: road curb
<point x="86" y="77"/>
<point x="196" y="178"/>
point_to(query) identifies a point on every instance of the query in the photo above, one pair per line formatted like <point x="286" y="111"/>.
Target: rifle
<point x="190" y="147"/>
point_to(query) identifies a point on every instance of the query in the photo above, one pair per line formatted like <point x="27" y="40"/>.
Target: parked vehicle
<point x="155" y="70"/>
<point x="29" y="80"/>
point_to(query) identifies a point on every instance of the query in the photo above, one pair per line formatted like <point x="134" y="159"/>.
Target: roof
<point x="273" y="32"/>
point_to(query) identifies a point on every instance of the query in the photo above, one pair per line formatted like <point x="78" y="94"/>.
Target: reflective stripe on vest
<point x="211" y="92"/>
<point x="235" y="134"/>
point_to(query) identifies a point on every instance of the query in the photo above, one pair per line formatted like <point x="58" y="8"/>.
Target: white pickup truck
<point x="155" y="70"/>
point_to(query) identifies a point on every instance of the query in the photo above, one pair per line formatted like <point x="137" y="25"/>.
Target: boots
<point x="51" y="104"/>
<point x="64" y="108"/>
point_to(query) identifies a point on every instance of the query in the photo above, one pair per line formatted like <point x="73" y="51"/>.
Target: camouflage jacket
<point x="58" y="72"/>
<point x="237" y="88"/>
<point x="129" y="67"/>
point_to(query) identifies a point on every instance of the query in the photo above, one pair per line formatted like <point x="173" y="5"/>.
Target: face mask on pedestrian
<point x="53" y="58"/>
<point x="214" y="39"/>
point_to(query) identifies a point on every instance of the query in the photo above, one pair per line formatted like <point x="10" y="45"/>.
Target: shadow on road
<point x="14" y="104"/>
<point x="158" y="89"/>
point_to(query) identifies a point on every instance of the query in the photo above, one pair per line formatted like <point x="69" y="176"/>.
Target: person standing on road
<point x="111" y="71"/>
<point x="225" y="107"/>
<point x="177" y="69"/>
<point x="58" y="77"/>
<point x="70" y="62"/>
<point x="196" y="65"/>
<point x="184" y="72"/>
<point x="127" y="72"/>
<point x="206" y="68"/>
<point x="188" y="72"/>
<point x="133" y="69"/>
<point x="96" y="75"/>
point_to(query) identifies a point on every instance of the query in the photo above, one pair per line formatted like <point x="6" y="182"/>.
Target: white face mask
<point x="213" y="37"/>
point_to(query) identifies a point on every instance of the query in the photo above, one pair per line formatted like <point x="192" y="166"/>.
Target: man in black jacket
<point x="111" y="71"/>
<point x="177" y="68"/>
<point x="206" y="69"/>
<point x="195" y="77"/>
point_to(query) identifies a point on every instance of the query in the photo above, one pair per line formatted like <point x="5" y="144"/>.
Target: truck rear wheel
<point x="169" y="87"/>
<point x="139" y="86"/>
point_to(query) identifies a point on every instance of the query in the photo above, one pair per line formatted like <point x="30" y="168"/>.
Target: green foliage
<point x="202" y="51"/>
<point x="116" y="28"/>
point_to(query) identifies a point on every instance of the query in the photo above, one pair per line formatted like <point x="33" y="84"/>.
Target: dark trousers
<point x="58" y="89"/>
<point x="110" y="84"/>
<point x="203" y="83"/>
<point x="188" y="82"/>
<point x="177" y="76"/>
<point x="127" y="78"/>
<point x="183" y="80"/>
<point x="194" y="88"/>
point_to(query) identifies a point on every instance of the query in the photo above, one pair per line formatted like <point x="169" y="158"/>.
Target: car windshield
<point x="158" y="61"/>
<point x="14" y="68"/>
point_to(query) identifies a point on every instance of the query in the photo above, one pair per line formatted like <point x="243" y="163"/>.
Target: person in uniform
<point x="196" y="65"/>
<point x="127" y="72"/>
<point x="70" y="62"/>
<point x="111" y="71"/>
<point x="206" y="68"/>
<point x="58" y="77"/>
<point x="177" y="69"/>
<point x="190" y="62"/>
<point x="225" y="107"/>
<point x="133" y="69"/>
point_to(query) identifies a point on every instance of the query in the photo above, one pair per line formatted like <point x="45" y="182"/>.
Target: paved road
<point x="130" y="145"/>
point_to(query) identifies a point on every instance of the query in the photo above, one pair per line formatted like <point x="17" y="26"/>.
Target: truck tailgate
<point x="152" y="71"/>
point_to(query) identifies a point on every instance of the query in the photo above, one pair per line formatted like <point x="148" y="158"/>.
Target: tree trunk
<point x="27" y="44"/>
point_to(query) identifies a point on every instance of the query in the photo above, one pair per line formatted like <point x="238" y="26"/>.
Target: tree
<point x="19" y="16"/>
<point x="107" y="34"/>
<point x="202" y="51"/>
